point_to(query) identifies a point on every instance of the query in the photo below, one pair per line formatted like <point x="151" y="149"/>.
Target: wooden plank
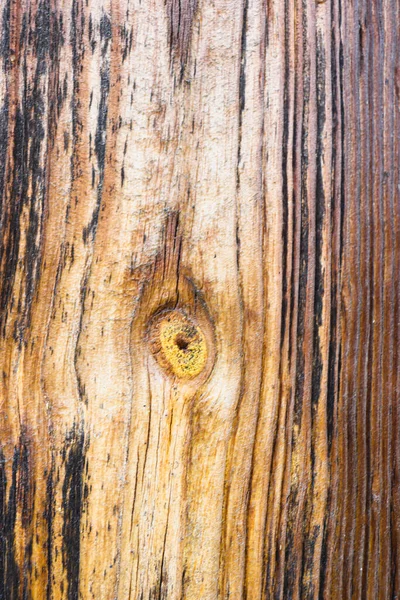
<point x="199" y="299"/>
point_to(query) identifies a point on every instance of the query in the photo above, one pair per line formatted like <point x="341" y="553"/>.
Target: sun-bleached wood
<point x="199" y="299"/>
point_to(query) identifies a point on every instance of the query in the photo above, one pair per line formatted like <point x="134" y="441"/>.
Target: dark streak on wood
<point x="181" y="14"/>
<point x="16" y="507"/>
<point x="72" y="505"/>
<point x="49" y="517"/>
<point x="15" y="502"/>
<point x="28" y="185"/>
<point x="101" y="131"/>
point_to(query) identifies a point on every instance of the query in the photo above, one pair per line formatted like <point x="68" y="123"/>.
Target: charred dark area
<point x="16" y="504"/>
<point x="72" y="498"/>
<point x="17" y="514"/>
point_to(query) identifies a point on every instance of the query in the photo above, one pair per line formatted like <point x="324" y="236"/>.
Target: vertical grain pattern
<point x="232" y="167"/>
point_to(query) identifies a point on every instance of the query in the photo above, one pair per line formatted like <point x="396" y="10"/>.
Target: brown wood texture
<point x="199" y="299"/>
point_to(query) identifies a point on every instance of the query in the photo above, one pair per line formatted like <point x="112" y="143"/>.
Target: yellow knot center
<point x="178" y="344"/>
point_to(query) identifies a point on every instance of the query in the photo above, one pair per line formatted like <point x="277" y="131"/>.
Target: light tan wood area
<point x="199" y="300"/>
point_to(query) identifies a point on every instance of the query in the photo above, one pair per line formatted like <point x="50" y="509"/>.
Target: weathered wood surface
<point x="237" y="163"/>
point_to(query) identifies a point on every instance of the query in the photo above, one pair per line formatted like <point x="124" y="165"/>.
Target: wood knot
<point x="178" y="344"/>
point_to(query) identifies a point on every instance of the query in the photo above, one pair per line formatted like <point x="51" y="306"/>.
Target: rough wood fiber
<point x="235" y="164"/>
